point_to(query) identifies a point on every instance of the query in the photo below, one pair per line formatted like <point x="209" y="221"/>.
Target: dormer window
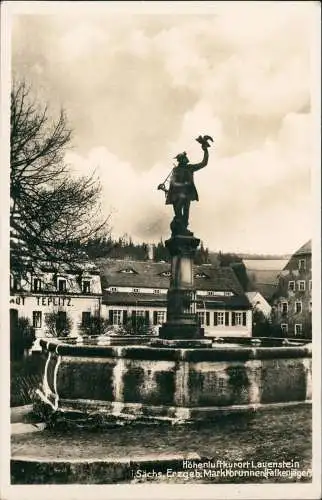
<point x="61" y="285"/>
<point x="201" y="275"/>
<point x="36" y="285"/>
<point x="166" y="274"/>
<point x="128" y="270"/>
<point x="86" y="286"/>
<point x="15" y="282"/>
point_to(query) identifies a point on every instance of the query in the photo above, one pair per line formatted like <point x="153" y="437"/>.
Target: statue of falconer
<point x="182" y="190"/>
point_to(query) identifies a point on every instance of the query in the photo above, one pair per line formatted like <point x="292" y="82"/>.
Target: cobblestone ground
<point x="267" y="435"/>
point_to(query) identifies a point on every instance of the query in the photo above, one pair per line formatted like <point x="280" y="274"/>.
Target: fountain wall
<point x="143" y="382"/>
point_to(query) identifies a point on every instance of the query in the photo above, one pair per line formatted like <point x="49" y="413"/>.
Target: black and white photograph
<point x="161" y="295"/>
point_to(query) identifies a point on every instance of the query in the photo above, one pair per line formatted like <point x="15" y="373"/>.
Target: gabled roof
<point x="149" y="274"/>
<point x="305" y="249"/>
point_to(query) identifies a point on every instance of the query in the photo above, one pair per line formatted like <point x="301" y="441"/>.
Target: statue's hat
<point x="180" y="156"/>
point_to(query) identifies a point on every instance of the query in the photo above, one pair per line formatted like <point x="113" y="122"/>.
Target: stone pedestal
<point x="182" y="322"/>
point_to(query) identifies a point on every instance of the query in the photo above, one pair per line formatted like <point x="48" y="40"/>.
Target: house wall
<point x="210" y="330"/>
<point x="295" y="276"/>
<point x="74" y="306"/>
<point x="49" y="299"/>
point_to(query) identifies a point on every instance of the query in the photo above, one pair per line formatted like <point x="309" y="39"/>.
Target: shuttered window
<point x="36" y="319"/>
<point x="158" y="317"/>
<point x="219" y="318"/>
<point x="115" y="316"/>
<point x="238" y="318"/>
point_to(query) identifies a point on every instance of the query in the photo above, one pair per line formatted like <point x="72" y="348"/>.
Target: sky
<point x="139" y="88"/>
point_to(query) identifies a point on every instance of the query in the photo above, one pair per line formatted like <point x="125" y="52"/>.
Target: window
<point x="158" y="317"/>
<point x="301" y="285"/>
<point x="201" y="317"/>
<point x="36" y="285"/>
<point x="113" y="289"/>
<point x="86" y="286"/>
<point x="117" y="317"/>
<point x="228" y="294"/>
<point x="61" y="321"/>
<point x="201" y="275"/>
<point x="166" y="274"/>
<point x="284" y="327"/>
<point x="210" y="293"/>
<point x="156" y="291"/>
<point x="310" y="284"/>
<point x="61" y="285"/>
<point x="140" y="313"/>
<point x="127" y="271"/>
<point x="310" y="306"/>
<point x="239" y="318"/>
<point x="291" y="285"/>
<point x="298" y="307"/>
<point x="302" y="264"/>
<point x="220" y="385"/>
<point x="284" y="307"/>
<point x="220" y="318"/>
<point x="298" y="329"/>
<point x="136" y="290"/>
<point x="86" y="317"/>
<point x="36" y="319"/>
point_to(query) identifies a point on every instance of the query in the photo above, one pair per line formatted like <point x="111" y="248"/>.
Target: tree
<point x="95" y="325"/>
<point x="137" y="325"/>
<point x="58" y="323"/>
<point x="21" y="338"/>
<point x="261" y="324"/>
<point x="52" y="214"/>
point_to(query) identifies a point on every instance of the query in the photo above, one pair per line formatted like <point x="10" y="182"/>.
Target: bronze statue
<point x="182" y="190"/>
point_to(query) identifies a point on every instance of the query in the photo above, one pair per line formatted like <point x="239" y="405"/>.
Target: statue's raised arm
<point x="204" y="141"/>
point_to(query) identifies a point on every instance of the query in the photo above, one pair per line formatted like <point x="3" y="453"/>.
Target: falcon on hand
<point x="204" y="141"/>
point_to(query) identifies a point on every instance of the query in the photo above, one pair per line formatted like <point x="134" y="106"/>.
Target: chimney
<point x="150" y="251"/>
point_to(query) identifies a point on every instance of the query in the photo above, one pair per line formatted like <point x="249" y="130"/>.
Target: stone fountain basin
<point x="141" y="383"/>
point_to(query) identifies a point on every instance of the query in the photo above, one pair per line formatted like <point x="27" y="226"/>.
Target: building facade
<point x="71" y="292"/>
<point x="133" y="289"/>
<point x="292" y="303"/>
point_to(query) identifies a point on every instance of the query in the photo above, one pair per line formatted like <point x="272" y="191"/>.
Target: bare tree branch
<point x="53" y="216"/>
